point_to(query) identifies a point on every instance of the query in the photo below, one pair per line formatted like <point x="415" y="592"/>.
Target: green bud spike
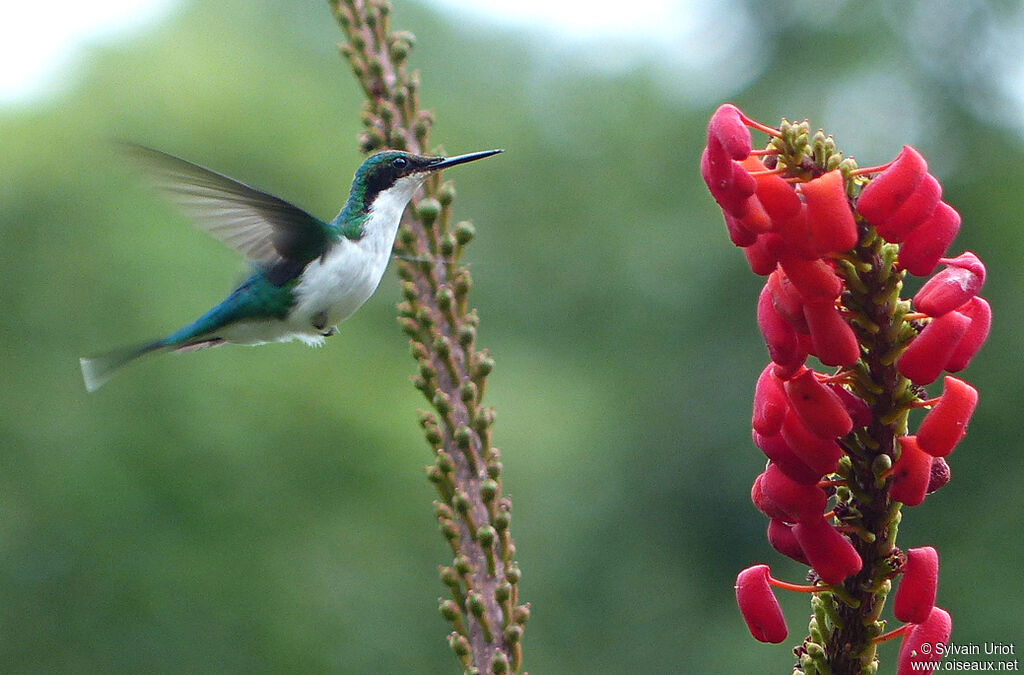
<point x="460" y="645"/>
<point x="446" y="193"/>
<point x="468" y="393"/>
<point x="442" y="346"/>
<point x="442" y="402"/>
<point x="502" y="592"/>
<point x="514" y="634"/>
<point x="467" y="336"/>
<point x="488" y="490"/>
<point x="477" y="608"/>
<point x="463" y="567"/>
<point x="428" y="210"/>
<point x="463" y="437"/>
<point x="499" y="663"/>
<point x="464" y="232"/>
<point x="450" y="611"/>
<point x="442" y="510"/>
<point x="494" y="468"/>
<point x="433" y="435"/>
<point x="448" y="245"/>
<point x="486" y="536"/>
<point x="521" y="614"/>
<point x="445" y="296"/>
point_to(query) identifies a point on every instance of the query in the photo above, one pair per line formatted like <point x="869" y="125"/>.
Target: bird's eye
<point x="399" y="162"/>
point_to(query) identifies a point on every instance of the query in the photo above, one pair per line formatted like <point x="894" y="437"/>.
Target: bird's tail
<point x="98" y="369"/>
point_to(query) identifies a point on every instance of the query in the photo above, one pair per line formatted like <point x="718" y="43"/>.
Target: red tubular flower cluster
<point x="818" y="229"/>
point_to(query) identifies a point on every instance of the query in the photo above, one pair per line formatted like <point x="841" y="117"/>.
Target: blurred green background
<point x="265" y="510"/>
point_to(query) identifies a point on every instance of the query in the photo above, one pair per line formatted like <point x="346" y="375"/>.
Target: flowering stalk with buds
<point x="486" y="618"/>
<point x="835" y="243"/>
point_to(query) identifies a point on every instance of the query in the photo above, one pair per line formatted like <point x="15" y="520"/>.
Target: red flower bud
<point x="728" y="182"/>
<point x="929" y="352"/>
<point x="980" y="314"/>
<point x="950" y="288"/>
<point x="780" y="536"/>
<point x="969" y="261"/>
<point x="779" y="336"/>
<point x="831" y="222"/>
<point x="756" y="219"/>
<point x="783" y="498"/>
<point x="946" y="423"/>
<point x="761" y="254"/>
<point x="835" y="343"/>
<point x="923" y="247"/>
<point x="858" y="410"/>
<point x="814" y="279"/>
<point x="787" y="301"/>
<point x="726" y="125"/>
<point x="796" y="232"/>
<point x="820" y="454"/>
<point x="910" y="473"/>
<point x="781" y="455"/>
<point x="912" y="212"/>
<point x="831" y="554"/>
<point x="888" y="190"/>
<point x="770" y="403"/>
<point x="934" y="632"/>
<point x="758" y="605"/>
<point x="939" y="474"/>
<point x="817" y="406"/>
<point x="777" y="196"/>
<point x="739" y="235"/>
<point x="915" y="595"/>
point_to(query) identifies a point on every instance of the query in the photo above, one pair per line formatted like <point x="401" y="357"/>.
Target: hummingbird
<point x="307" y="275"/>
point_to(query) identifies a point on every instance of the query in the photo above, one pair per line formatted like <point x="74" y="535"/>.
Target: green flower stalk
<point x="474" y="516"/>
<point x="835" y="243"/>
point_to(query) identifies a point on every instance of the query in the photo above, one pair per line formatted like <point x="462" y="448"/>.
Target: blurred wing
<point x="263" y="227"/>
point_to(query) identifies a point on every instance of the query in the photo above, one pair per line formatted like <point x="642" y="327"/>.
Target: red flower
<point x="778" y="496"/>
<point x="952" y="287"/>
<point x="946" y="423"/>
<point x="835" y="343"/>
<point x="779" y="335"/>
<point x="930" y="352"/>
<point x="910" y="473"/>
<point x="726" y="127"/>
<point x="830" y="220"/>
<point x="979" y="313"/>
<point x="821" y="454"/>
<point x="831" y="554"/>
<point x="934" y="632"/>
<point x="770" y="403"/>
<point x="781" y="455"/>
<point x="758" y="605"/>
<point x="923" y="247"/>
<point x="813" y="279"/>
<point x="880" y="198"/>
<point x="780" y="536"/>
<point x="913" y="212"/>
<point x="817" y="406"/>
<point x="915" y="594"/>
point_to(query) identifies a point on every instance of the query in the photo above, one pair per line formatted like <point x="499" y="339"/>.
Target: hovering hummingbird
<point x="308" y="275"/>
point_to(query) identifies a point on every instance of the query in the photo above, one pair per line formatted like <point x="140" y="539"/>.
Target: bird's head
<point x="394" y="175"/>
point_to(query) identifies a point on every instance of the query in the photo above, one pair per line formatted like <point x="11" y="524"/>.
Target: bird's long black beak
<point x="445" y="162"/>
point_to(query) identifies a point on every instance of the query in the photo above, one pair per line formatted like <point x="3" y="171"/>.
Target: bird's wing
<point x="263" y="227"/>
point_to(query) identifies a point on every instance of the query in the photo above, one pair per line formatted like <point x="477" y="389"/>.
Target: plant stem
<point x="473" y="515"/>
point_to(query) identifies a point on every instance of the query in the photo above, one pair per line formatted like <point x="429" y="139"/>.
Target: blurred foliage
<point x="242" y="510"/>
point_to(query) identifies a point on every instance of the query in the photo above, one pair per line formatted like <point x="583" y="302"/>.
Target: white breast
<point x="338" y="283"/>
